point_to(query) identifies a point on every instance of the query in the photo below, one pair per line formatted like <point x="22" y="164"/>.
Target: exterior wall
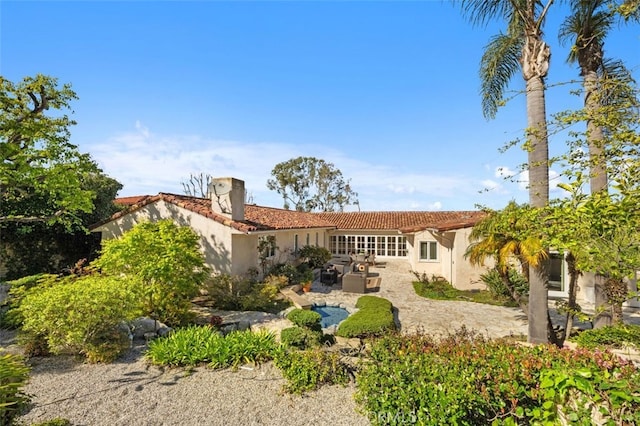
<point x="215" y="238"/>
<point x="450" y="263"/>
<point x="467" y="275"/>
<point x="440" y="266"/>
<point x="586" y="292"/>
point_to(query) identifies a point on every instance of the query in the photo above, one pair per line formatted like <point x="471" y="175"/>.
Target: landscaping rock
<point x="143" y="325"/>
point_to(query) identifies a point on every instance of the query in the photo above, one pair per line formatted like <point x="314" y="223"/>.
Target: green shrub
<point x="615" y="336"/>
<point x="284" y="269"/>
<point x="497" y="287"/>
<point x="236" y="293"/>
<point x="13" y="376"/>
<point x="308" y="370"/>
<point x="199" y="345"/>
<point x="374" y="318"/>
<point x="10" y="317"/>
<point x="464" y="379"/>
<point x="82" y="316"/>
<point x="305" y="318"/>
<point x="300" y="337"/>
<point x="313" y="256"/>
<point x="166" y="260"/>
<point x="373" y="302"/>
<point x="277" y="281"/>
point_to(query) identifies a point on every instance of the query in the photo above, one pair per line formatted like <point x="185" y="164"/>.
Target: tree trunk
<point x="572" y="306"/>
<point x="595" y="137"/>
<point x="597" y="180"/>
<point x="538" y="159"/>
<point x="603" y="309"/>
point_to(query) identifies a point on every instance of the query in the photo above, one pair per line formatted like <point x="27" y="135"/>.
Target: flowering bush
<point x="464" y="379"/>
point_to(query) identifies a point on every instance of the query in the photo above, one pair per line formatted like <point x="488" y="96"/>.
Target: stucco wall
<point x="215" y="238"/>
<point x="451" y="263"/>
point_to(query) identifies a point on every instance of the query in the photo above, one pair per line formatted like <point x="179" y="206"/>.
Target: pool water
<point x="330" y="315"/>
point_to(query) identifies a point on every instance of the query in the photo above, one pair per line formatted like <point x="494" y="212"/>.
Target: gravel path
<point x="131" y="392"/>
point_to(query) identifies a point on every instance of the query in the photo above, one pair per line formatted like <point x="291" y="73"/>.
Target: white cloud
<point x="148" y="163"/>
<point x="504" y="172"/>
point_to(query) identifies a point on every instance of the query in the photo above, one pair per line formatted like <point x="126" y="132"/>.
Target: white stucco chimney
<point x="227" y="197"/>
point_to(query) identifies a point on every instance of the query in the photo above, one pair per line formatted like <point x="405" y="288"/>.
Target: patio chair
<point x="354" y="282"/>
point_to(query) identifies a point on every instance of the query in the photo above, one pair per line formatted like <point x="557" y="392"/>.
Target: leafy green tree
<point x="36" y="247"/>
<point x="311" y="184"/>
<point x="166" y="260"/>
<point x="521" y="47"/>
<point x="41" y="171"/>
<point x="595" y="228"/>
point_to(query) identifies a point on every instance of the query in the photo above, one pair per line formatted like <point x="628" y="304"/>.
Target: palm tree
<point x="508" y="236"/>
<point x="521" y="47"/>
<point x="587" y="27"/>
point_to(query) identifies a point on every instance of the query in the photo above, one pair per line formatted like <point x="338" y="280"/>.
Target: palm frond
<point x="500" y="61"/>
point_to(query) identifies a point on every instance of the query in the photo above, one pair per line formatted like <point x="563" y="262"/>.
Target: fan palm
<point x="521" y="47"/>
<point x="507" y="236"/>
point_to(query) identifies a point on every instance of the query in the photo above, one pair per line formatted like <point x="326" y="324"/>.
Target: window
<point x="556" y="272"/>
<point x="429" y="251"/>
<point x="307" y="239"/>
<point x="381" y="245"/>
<point x="402" y="246"/>
<point x="267" y="245"/>
<point x="295" y="243"/>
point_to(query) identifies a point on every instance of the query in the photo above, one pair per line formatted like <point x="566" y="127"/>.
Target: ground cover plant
<point x="373" y="318"/>
<point x="616" y="336"/>
<point x="465" y="379"/>
<point x="438" y="288"/>
<point x="196" y="345"/>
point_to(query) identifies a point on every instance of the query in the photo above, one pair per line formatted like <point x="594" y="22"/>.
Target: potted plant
<point x="306" y="280"/>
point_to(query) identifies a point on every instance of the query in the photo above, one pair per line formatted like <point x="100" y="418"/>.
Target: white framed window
<point x="380" y="245"/>
<point x="429" y="251"/>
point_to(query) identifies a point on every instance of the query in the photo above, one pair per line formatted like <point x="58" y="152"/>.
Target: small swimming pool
<point x="330" y="315"/>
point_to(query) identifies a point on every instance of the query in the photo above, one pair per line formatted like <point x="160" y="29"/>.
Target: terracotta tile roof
<point x="257" y="218"/>
<point x="406" y="222"/>
<point x="129" y="201"/>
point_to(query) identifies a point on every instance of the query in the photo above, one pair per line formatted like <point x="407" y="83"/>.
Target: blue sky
<point x="387" y="91"/>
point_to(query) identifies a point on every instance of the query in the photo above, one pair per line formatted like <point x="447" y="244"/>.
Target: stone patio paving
<point x="415" y="313"/>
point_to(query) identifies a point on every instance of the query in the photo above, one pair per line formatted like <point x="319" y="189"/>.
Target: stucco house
<point x="230" y="230"/>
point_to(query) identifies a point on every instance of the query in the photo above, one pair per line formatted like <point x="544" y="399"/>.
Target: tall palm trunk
<point x="538" y="159"/>
<point x="595" y="135"/>
<point x="598" y="180"/>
